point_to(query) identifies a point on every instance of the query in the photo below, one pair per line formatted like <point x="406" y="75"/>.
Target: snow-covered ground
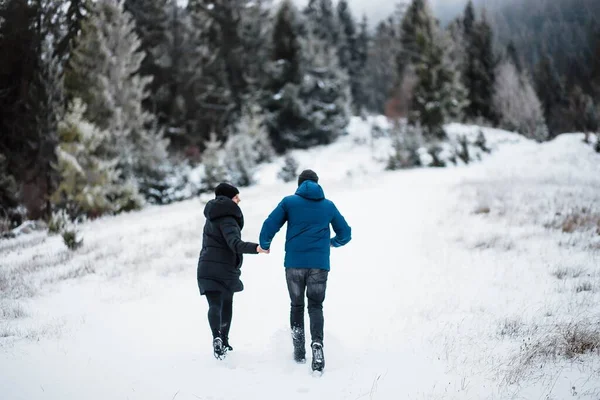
<point x="468" y="282"/>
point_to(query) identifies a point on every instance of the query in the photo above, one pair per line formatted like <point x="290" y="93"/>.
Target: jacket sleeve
<point x="272" y="225"/>
<point x="343" y="232"/>
<point x="232" y="234"/>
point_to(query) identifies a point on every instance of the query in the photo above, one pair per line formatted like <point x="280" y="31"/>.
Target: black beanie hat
<point x="227" y="190"/>
<point x="308" y="175"/>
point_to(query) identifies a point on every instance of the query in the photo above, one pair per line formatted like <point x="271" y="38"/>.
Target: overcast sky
<point x="376" y="10"/>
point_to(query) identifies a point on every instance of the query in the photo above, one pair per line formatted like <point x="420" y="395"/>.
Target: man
<point x="308" y="215"/>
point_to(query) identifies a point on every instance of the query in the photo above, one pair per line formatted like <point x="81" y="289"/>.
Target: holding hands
<point x="260" y="250"/>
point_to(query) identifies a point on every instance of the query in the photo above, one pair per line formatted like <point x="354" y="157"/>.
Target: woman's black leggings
<point x="220" y="309"/>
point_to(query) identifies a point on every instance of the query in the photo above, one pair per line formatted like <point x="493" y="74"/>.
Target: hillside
<point x="468" y="282"/>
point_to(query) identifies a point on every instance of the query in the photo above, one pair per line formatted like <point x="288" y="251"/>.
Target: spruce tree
<point x="552" y="93"/>
<point x="381" y="73"/>
<point x="31" y="99"/>
<point x="349" y="53"/>
<point x="214" y="167"/>
<point x="289" y="171"/>
<point x="89" y="179"/>
<point x="151" y="24"/>
<point x="437" y="95"/>
<point x="321" y="21"/>
<point x="240" y="159"/>
<point x="517" y="104"/>
<point x="480" y="67"/>
<point x="308" y="99"/>
<point x="284" y="112"/>
<point x="104" y="72"/>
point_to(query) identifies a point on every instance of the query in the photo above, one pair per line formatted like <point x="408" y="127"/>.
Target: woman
<point x="220" y="262"/>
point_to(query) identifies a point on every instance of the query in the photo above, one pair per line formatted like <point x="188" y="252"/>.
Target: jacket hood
<point x="310" y="190"/>
<point x="222" y="207"/>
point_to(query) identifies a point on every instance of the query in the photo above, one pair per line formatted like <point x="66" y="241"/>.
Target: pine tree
<point x="74" y="17"/>
<point x="416" y="18"/>
<point x="480" y="67"/>
<point x="151" y="23"/>
<point x="89" y="181"/>
<point x="8" y="188"/>
<point x="177" y="64"/>
<point x="307" y="101"/>
<point x="362" y="48"/>
<point x="552" y="93"/>
<point x="468" y="21"/>
<point x="30" y="99"/>
<point x="214" y="167"/>
<point x="381" y="73"/>
<point x="325" y="93"/>
<point x="104" y="72"/>
<point x="289" y="171"/>
<point x="437" y="95"/>
<point x="348" y="51"/>
<point x="252" y="125"/>
<point x="240" y="160"/>
<point x="284" y="113"/>
<point x="517" y="104"/>
<point x="322" y="22"/>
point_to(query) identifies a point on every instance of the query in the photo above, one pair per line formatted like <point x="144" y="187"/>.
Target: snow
<point x="430" y="300"/>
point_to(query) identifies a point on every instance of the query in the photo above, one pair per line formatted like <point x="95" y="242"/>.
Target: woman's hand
<point x="261" y="250"/>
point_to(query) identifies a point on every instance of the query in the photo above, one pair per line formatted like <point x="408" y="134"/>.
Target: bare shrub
<point x="563" y="273"/>
<point x="567" y="341"/>
<point x="511" y="328"/>
<point x="12" y="311"/>
<point x="75" y="273"/>
<point x="4" y="225"/>
<point x="72" y="239"/>
<point x="584" y="287"/>
<point x="482" y="210"/>
<point x="578" y="219"/>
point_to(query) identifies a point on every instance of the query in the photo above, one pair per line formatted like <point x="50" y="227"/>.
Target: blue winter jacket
<point x="308" y="215"/>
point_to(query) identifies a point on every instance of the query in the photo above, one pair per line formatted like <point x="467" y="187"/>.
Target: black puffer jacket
<point x="222" y="247"/>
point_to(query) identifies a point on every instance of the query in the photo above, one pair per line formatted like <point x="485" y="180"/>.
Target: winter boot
<point x="318" y="360"/>
<point x="299" y="345"/>
<point x="218" y="348"/>
<point x="226" y="344"/>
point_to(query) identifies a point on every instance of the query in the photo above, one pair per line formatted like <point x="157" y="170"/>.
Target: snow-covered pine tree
<point x="321" y="21"/>
<point x="308" y="93"/>
<point x="177" y="63"/>
<point x="104" y="72"/>
<point x="8" y="188"/>
<point x="284" y="114"/>
<point x="214" y="167"/>
<point x="252" y="124"/>
<point x="362" y="47"/>
<point x="240" y="160"/>
<point x="381" y="73"/>
<point x="517" y="104"/>
<point x="325" y="94"/>
<point x="348" y="50"/>
<point x="478" y="75"/>
<point x="553" y="95"/>
<point x="289" y="171"/>
<point x="151" y="23"/>
<point x="89" y="181"/>
<point x="438" y="95"/>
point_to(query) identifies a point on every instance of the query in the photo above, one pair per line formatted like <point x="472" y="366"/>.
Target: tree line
<point x="102" y="101"/>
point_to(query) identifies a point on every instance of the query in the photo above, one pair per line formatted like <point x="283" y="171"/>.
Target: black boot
<point x="218" y="349"/>
<point x="299" y="345"/>
<point x="318" y="360"/>
<point x="226" y="344"/>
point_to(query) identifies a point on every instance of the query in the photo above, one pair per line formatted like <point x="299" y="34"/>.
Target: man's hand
<point x="261" y="250"/>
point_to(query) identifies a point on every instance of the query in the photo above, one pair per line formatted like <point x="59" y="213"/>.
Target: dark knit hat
<point x="308" y="175"/>
<point x="227" y="190"/>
